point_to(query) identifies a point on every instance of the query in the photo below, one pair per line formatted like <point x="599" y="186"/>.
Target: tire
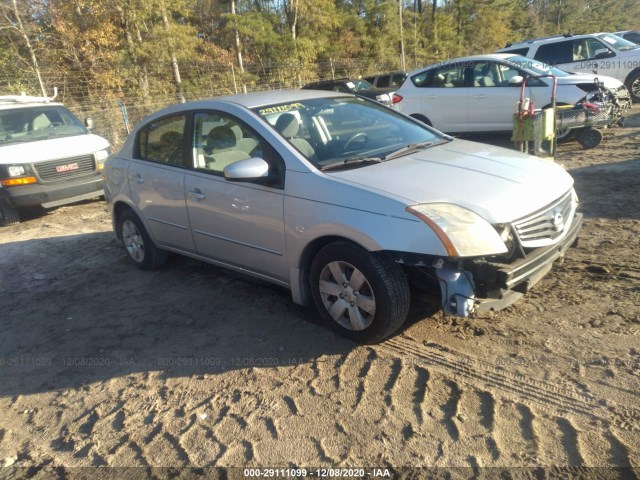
<point x="372" y="300"/>
<point x="140" y="249"/>
<point x="633" y="85"/>
<point x="589" y="137"/>
<point x="8" y="216"/>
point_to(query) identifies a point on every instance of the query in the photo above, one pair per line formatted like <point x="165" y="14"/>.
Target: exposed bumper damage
<point x="477" y="285"/>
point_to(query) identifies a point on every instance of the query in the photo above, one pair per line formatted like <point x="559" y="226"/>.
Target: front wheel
<point x="8" y="215"/>
<point x="633" y="85"/>
<point x="361" y="295"/>
<point x="139" y="247"/>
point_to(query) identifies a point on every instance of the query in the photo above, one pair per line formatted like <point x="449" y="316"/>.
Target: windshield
<point x="618" y="43"/>
<point x="348" y="130"/>
<point x="30" y="124"/>
<point x="536" y="67"/>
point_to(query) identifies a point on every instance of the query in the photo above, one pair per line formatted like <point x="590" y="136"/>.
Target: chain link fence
<point x="117" y="110"/>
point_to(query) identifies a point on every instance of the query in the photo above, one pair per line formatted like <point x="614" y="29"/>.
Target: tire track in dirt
<point x="488" y="376"/>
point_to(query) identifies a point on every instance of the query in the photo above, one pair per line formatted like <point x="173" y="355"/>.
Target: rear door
<point x="156" y="179"/>
<point x="443" y="97"/>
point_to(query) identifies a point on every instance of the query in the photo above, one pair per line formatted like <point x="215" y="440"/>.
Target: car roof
<point x="251" y="100"/>
<point x="552" y="39"/>
<point x="486" y="56"/>
<point x="10" y="102"/>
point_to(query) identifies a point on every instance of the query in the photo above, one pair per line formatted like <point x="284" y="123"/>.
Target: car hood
<point x="582" y="78"/>
<point x="52" y="149"/>
<point x="499" y="184"/>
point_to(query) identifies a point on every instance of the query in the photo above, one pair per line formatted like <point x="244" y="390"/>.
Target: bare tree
<point x="174" y="60"/>
<point x="238" y="44"/>
<point x="14" y="22"/>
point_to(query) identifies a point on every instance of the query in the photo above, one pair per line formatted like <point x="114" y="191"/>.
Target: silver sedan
<point x="341" y="200"/>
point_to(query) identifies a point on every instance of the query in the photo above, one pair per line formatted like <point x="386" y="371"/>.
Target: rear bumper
<point x="499" y="285"/>
<point x="54" y="194"/>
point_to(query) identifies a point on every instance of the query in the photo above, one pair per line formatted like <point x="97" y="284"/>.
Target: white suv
<point x="47" y="156"/>
<point x="599" y="53"/>
<point x="479" y="93"/>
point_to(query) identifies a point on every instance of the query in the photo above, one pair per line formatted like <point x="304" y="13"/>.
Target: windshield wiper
<point x="351" y="162"/>
<point x="412" y="147"/>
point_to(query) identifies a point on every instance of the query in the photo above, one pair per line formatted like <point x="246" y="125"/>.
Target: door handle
<point x="480" y="96"/>
<point x="196" y="194"/>
<point x="138" y="178"/>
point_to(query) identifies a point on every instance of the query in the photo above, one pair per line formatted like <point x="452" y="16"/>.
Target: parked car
<point x="47" y="156"/>
<point x="629" y="35"/>
<point x="341" y="200"/>
<point x="356" y="86"/>
<point x="479" y="93"/>
<point x="387" y="80"/>
<point x="599" y="54"/>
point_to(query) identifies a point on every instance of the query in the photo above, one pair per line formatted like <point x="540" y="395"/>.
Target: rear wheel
<point x="361" y="295"/>
<point x="139" y="247"/>
<point x="8" y="215"/>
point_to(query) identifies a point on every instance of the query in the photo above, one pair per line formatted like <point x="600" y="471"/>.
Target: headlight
<point x="462" y="232"/>
<point x="15" y="170"/>
<point x="101" y="156"/>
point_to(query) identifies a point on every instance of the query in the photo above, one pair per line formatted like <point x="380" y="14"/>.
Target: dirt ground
<point x="190" y="365"/>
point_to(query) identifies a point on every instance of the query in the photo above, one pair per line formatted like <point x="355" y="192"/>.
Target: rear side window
<point x="383" y="81"/>
<point x="555" y="53"/>
<point x="448" y="76"/>
<point x="163" y="140"/>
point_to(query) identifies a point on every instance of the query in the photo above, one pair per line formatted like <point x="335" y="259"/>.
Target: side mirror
<point x="89" y="123"/>
<point x="247" y="170"/>
<point x="516" y="81"/>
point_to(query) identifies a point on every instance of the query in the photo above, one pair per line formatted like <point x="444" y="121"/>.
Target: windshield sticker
<point x="610" y="40"/>
<point x="351" y="85"/>
<point x="281" y="108"/>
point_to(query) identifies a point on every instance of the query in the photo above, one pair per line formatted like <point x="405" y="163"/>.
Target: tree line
<point x="93" y="50"/>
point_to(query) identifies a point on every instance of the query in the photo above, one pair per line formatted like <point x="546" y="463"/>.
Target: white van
<point x="47" y="156"/>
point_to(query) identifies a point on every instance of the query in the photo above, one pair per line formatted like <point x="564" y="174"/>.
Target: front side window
<point x="23" y="125"/>
<point x="163" y="140"/>
<point x="590" y="49"/>
<point x="220" y="140"/>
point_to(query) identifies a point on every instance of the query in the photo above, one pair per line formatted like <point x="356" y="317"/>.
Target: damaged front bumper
<point x="498" y="285"/>
<point x="482" y="284"/>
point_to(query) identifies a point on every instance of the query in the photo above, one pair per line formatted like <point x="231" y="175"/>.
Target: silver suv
<point x="341" y="200"/>
<point x="600" y="54"/>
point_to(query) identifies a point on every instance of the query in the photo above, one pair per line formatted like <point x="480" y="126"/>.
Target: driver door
<point x="236" y="223"/>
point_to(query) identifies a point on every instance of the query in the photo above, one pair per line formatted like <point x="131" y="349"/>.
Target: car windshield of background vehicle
<point x="618" y="43"/>
<point x="348" y="130"/>
<point x="22" y="125"/>
<point x="536" y="67"/>
<point x="360" y="85"/>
